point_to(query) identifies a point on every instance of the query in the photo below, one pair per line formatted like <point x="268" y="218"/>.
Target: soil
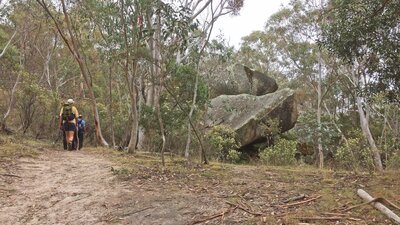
<point x="85" y="187"/>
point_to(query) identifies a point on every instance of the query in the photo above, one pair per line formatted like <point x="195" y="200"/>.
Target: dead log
<point x="391" y="215"/>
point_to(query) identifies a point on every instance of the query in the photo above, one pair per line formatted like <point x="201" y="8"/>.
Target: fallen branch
<point x="296" y="198"/>
<point x="244" y="209"/>
<point x="302" y="202"/>
<point x="134" y="212"/>
<point x="391" y="215"/>
<point x="380" y="200"/>
<point x="213" y="216"/>
<point x="9" y="175"/>
<point x="327" y="218"/>
<point x="334" y="214"/>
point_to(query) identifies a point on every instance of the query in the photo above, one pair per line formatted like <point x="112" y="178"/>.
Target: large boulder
<point x="248" y="114"/>
<point x="240" y="79"/>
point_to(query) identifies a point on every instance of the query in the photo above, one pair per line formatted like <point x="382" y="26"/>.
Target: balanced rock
<point x="240" y="79"/>
<point x="248" y="114"/>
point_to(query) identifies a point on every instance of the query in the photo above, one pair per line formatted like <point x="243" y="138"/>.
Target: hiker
<point x="68" y="123"/>
<point x="81" y="130"/>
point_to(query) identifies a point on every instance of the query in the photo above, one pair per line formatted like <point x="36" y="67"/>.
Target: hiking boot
<point x="69" y="146"/>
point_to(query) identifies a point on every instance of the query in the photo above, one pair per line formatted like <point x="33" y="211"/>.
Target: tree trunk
<point x="10" y="105"/>
<point x="367" y="134"/>
<point x="158" y="89"/>
<point x="99" y="136"/>
<point x="134" y="128"/>
<point x="73" y="47"/>
<point x="110" y="106"/>
<point x="365" y="128"/>
<point x="8" y="43"/>
<point x="187" y="149"/>
<point x="319" y="101"/>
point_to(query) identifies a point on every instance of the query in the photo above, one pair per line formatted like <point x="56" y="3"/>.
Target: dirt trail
<point x="79" y="188"/>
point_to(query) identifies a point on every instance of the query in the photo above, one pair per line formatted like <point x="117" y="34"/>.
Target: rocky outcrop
<point x="248" y="114"/>
<point x="240" y="80"/>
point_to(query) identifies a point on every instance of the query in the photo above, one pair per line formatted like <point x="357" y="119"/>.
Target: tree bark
<point x="110" y="111"/>
<point x="319" y="100"/>
<point x="130" y="79"/>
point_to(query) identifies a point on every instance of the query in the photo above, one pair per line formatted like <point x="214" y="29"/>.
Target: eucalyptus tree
<point x="68" y="26"/>
<point x="212" y="10"/>
<point x="365" y="35"/>
<point x="181" y="31"/>
<point x="7" y="74"/>
<point x="367" y="30"/>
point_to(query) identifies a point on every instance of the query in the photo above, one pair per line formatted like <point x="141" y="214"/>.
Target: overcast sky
<point x="253" y="16"/>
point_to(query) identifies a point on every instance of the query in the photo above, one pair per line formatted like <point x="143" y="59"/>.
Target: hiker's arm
<point x="76" y="118"/>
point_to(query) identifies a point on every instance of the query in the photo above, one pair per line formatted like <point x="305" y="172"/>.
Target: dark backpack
<point x="81" y="128"/>
<point x="67" y="114"/>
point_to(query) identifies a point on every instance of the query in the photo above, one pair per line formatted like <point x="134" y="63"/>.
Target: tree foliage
<point x="367" y="32"/>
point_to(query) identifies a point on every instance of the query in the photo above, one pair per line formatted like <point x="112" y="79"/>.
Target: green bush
<point x="282" y="153"/>
<point x="222" y="138"/>
<point x="394" y="161"/>
<point x="354" y="155"/>
<point x="233" y="156"/>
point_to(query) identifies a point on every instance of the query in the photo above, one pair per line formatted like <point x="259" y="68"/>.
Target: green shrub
<point x="354" y="155"/>
<point x="222" y="139"/>
<point x="282" y="153"/>
<point x="233" y="156"/>
<point x="394" y="161"/>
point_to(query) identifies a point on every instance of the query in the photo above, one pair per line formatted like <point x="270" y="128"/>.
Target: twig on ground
<point x="327" y="218"/>
<point x="295" y="198"/>
<point x="302" y="202"/>
<point x="134" y="212"/>
<point x="9" y="175"/>
<point x="213" y="216"/>
<point x="244" y="209"/>
<point x="334" y="214"/>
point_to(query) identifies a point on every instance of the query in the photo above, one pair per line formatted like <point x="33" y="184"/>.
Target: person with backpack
<point x="81" y="130"/>
<point x="68" y="122"/>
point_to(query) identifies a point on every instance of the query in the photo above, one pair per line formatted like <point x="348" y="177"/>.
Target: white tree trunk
<point x="319" y="101"/>
<point x="365" y="127"/>
<point x="10" y="104"/>
<point x="8" y="44"/>
<point x="187" y="148"/>
<point x="389" y="213"/>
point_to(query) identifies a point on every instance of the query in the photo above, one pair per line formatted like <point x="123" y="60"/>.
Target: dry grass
<point x="16" y="147"/>
<point x="264" y="189"/>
